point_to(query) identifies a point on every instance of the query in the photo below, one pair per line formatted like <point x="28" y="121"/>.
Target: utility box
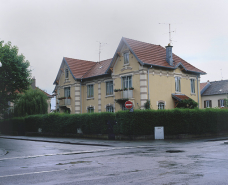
<point x="158" y="132"/>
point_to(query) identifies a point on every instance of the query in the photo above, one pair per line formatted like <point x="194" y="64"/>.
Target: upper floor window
<point x="127" y="82"/>
<point x="67" y="92"/>
<point x="207" y="104"/>
<point x="221" y="103"/>
<point x="161" y="105"/>
<point x="109" y="88"/>
<point x="126" y="58"/>
<point x="193" y="86"/>
<point x="89" y="91"/>
<point x="109" y="108"/>
<point x="177" y="84"/>
<point x="90" y="110"/>
<point x="66" y="73"/>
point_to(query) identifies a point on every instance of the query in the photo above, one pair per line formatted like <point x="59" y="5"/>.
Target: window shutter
<point x="204" y="104"/>
<point x="219" y="103"/>
<point x="210" y="104"/>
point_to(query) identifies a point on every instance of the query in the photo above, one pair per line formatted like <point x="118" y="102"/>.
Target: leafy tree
<point x="187" y="103"/>
<point x="14" y="74"/>
<point x="33" y="101"/>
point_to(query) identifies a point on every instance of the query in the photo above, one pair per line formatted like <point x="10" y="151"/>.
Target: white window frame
<point x="66" y="73"/>
<point x="109" y="108"/>
<point x="89" y="94"/>
<point x="126" y="83"/>
<point x="89" y="109"/>
<point x="161" y="105"/>
<point x="126" y="57"/>
<point x="192" y="83"/>
<point x="207" y="103"/>
<point x="177" y="84"/>
<point x="222" y="102"/>
<point x="109" y="88"/>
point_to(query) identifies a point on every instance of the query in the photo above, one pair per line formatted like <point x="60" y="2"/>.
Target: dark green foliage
<point x="139" y="122"/>
<point x="187" y="103"/>
<point x="33" y="101"/>
<point x="147" y="104"/>
<point x="14" y="74"/>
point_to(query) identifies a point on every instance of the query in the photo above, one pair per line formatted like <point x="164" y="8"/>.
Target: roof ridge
<point x="142" y="41"/>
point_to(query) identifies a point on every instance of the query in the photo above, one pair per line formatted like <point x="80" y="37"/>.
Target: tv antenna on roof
<point x="100" y="47"/>
<point x="170" y="38"/>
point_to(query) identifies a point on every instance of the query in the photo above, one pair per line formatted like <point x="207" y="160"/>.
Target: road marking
<point x="75" y="152"/>
<point x="31" y="173"/>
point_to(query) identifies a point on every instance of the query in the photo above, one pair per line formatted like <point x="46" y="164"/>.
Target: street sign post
<point x="128" y="104"/>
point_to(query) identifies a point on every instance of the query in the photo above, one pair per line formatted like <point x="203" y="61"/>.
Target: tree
<point x="14" y="75"/>
<point x="33" y="101"/>
<point x="187" y="103"/>
<point x="147" y="104"/>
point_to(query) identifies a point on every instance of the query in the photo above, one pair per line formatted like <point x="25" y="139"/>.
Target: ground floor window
<point x="109" y="109"/>
<point x="207" y="104"/>
<point x="221" y="103"/>
<point x="90" y="110"/>
<point x="161" y="105"/>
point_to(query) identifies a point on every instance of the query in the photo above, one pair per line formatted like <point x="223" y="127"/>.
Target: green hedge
<point x="139" y="122"/>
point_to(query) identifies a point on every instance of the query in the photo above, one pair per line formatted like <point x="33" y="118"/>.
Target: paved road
<point x="67" y="161"/>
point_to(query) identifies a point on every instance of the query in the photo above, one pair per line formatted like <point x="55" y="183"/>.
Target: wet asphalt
<point x="45" y="160"/>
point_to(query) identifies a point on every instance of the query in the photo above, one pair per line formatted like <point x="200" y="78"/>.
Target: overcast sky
<point x="45" y="31"/>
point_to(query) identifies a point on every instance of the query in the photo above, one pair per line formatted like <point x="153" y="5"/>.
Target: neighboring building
<point x="48" y="95"/>
<point x="145" y="70"/>
<point x="214" y="93"/>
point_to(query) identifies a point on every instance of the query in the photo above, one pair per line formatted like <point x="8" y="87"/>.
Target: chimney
<point x="33" y="83"/>
<point x="169" y="55"/>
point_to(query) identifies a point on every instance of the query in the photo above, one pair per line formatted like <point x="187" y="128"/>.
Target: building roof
<point x="156" y="55"/>
<point x="202" y="85"/>
<point x="180" y="97"/>
<point x="98" y="69"/>
<point x="145" y="53"/>
<point x="216" y="87"/>
<point x="79" y="67"/>
<point x="48" y="95"/>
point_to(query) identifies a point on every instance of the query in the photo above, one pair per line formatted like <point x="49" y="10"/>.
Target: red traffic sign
<point x="128" y="104"/>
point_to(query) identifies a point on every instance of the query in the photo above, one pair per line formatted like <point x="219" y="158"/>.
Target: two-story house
<point x="137" y="72"/>
<point x="214" y="93"/>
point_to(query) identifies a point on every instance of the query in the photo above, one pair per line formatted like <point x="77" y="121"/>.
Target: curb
<point x="50" y="141"/>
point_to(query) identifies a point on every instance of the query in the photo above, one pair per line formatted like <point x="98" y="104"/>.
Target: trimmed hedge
<point x="139" y="122"/>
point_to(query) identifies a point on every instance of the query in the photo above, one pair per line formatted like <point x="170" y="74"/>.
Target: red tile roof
<point x="98" y="69"/>
<point x="202" y="85"/>
<point x="156" y="55"/>
<point x="180" y="97"/>
<point x="79" y="67"/>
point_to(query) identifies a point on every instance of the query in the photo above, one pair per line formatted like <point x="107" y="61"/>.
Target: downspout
<point x="198" y="89"/>
<point x="81" y="95"/>
<point x="148" y="85"/>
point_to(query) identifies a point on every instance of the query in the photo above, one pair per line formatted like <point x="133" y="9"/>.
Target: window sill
<point x="193" y="94"/>
<point x="177" y="92"/>
<point x="109" y="96"/>
<point x="126" y="64"/>
<point x="90" y="98"/>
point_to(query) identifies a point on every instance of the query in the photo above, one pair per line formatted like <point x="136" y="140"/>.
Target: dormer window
<point x="126" y="58"/>
<point x="66" y="73"/>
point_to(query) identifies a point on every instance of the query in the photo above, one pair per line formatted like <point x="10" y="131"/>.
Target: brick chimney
<point x="33" y="83"/>
<point x="169" y="55"/>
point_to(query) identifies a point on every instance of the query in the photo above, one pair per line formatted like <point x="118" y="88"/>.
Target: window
<point x="207" y="104"/>
<point x="67" y="92"/>
<point x="221" y="103"/>
<point x="109" y="108"/>
<point x="109" y="88"/>
<point x="66" y="73"/>
<point x="177" y="84"/>
<point x="90" y="110"/>
<point x="126" y="82"/>
<point x="193" y="86"/>
<point x="126" y="58"/>
<point x="89" y="91"/>
<point x="161" y="105"/>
